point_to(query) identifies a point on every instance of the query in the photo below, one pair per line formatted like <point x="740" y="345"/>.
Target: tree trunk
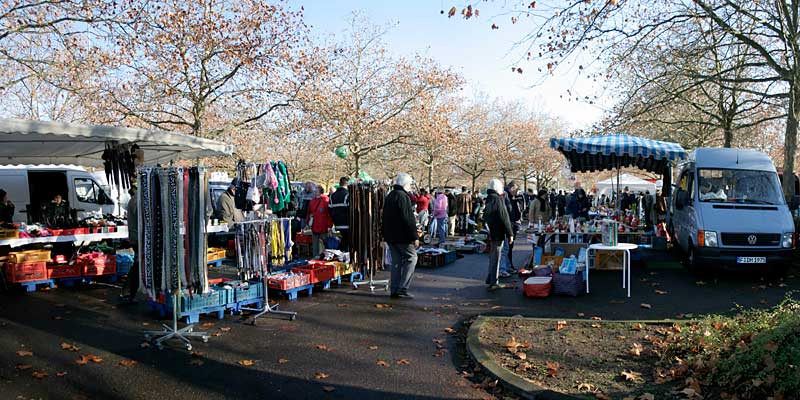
<point x="474" y="178"/>
<point x="356" y="161"/>
<point x="430" y="177"/>
<point x="728" y="130"/>
<point x="790" y="139"/>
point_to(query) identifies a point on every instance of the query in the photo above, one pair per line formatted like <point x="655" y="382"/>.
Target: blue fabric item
<point x="598" y="153"/>
<point x="568" y="266"/>
<point x="559" y="252"/>
<point x="505" y="264"/>
<point x="441" y="229"/>
<point x="537" y="255"/>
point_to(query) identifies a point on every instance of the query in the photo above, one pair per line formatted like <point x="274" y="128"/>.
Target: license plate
<point x="751" y="260"/>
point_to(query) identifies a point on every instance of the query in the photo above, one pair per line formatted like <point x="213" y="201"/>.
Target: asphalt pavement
<point x="344" y="344"/>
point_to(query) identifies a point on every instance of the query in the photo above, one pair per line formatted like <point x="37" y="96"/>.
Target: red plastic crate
<point x="56" y="271"/>
<point x="317" y="272"/>
<point x="300" y="279"/>
<point x="80" y="231"/>
<point x="300" y="238"/>
<point x="26" y="272"/>
<point x="94" y="264"/>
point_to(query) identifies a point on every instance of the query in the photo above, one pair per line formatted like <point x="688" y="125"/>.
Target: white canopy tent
<point x="46" y="142"/>
<point x="633" y="183"/>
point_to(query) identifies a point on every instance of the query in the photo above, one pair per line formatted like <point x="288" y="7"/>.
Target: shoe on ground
<point x="394" y="296"/>
<point x="504" y="275"/>
<point x="494" y="287"/>
<point x="406" y="296"/>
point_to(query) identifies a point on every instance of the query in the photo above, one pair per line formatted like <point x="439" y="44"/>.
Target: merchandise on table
<point x="288" y="280"/>
<point x="263" y="183"/>
<point x="336" y="255"/>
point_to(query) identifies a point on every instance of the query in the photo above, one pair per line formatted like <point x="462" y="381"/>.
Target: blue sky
<point x="483" y="56"/>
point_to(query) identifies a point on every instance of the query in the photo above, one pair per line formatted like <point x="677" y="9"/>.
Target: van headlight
<point x="710" y="239"/>
<point x="786" y="243"/>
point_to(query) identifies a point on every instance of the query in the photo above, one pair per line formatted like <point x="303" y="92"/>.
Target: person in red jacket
<point x="422" y="200"/>
<point x="319" y="218"/>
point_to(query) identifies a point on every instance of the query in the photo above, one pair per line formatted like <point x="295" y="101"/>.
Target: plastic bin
<point x="253" y="290"/>
<point x="26" y="272"/>
<point x="317" y="272"/>
<point x="17" y="257"/>
<point x="58" y="271"/>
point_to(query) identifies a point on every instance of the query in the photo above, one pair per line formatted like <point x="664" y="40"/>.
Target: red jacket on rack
<point x="318" y="209"/>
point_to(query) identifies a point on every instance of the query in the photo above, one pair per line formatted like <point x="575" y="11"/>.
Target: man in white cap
<point x="500" y="230"/>
<point x="400" y="233"/>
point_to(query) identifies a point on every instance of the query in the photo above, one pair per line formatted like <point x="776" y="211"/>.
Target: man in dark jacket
<point x="339" y="208"/>
<point x="500" y="230"/>
<point x="579" y="205"/>
<point x="561" y="203"/>
<point x="452" y="210"/>
<point x="400" y="233"/>
<point x="514" y="205"/>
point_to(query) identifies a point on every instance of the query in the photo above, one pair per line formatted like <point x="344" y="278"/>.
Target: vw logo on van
<point x="752" y="239"/>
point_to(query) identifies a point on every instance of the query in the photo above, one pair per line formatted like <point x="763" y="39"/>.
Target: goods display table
<point x="626" y="261"/>
<point x="583" y="237"/>
<point x="121" y="233"/>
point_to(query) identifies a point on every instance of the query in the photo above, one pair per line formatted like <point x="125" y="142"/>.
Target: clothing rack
<point x="366" y="217"/>
<point x="264" y="273"/>
<point x="173" y="215"/>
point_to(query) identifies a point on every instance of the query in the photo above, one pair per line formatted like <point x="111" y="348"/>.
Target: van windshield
<point x="739" y="186"/>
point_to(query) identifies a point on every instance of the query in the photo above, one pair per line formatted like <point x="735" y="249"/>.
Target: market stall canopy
<point x="633" y="183"/>
<point x="598" y="153"/>
<point x="45" y="142"/>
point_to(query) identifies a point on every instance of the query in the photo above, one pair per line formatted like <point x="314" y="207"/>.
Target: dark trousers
<point x="133" y="277"/>
<point x="495" y="251"/>
<point x="344" y="242"/>
<point x="404" y="262"/>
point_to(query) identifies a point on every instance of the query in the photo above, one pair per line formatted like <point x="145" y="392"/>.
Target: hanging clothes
<point x="366" y="214"/>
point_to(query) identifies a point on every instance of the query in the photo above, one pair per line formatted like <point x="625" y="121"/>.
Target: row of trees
<point x="702" y="73"/>
<point x="246" y="71"/>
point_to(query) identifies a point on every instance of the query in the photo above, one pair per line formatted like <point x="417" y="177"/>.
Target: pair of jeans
<point x="505" y="260"/>
<point x="404" y="262"/>
<point x="495" y="260"/>
<point x="451" y="226"/>
<point x="441" y="229"/>
<point x="318" y="243"/>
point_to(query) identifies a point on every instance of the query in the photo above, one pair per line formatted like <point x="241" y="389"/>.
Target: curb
<point x="519" y="386"/>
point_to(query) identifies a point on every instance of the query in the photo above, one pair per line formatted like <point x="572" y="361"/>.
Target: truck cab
<point x="729" y="210"/>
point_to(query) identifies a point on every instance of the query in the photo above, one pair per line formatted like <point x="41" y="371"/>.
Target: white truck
<point x="32" y="187"/>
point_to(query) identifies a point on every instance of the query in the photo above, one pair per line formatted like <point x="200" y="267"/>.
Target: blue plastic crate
<point x="124" y="264"/>
<point x="255" y="290"/>
<point x="198" y="301"/>
<point x="450" y="257"/>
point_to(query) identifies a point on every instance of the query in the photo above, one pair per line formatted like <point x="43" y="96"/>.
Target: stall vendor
<point x="6" y="208"/>
<point x="58" y="213"/>
<point x="227" y="205"/>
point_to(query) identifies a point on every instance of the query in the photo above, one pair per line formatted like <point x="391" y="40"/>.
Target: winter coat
<point x="399" y="224"/>
<point x="451" y="205"/>
<point x="340" y="208"/>
<point x="535" y="214"/>
<point x="496" y="216"/>
<point x="578" y="208"/>
<point x="422" y="202"/>
<point x="318" y="209"/>
<point x="227" y="209"/>
<point x="440" y="204"/>
<point x="464" y="203"/>
<point x="514" y="206"/>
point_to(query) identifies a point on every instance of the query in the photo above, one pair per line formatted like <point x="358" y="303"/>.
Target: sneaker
<point x="504" y="274"/>
<point x="406" y="296"/>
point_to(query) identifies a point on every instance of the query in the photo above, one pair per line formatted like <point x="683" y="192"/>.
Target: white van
<point x="729" y="210"/>
<point x="32" y="187"/>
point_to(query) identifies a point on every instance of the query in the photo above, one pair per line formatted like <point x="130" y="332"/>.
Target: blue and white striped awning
<point x="598" y="153"/>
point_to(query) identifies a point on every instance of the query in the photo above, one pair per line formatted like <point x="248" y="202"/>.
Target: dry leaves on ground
<point x="700" y="283"/>
<point x="381" y="363"/>
<point x="632" y="376"/>
<point x="70" y="347"/>
<point x="24" y="353"/>
<point x="601" y="396"/>
<point x="373" y="347"/>
<point x="403" y="361"/>
<point x="127" y="363"/>
<point x="83" y="360"/>
<point x="586" y="387"/>
<point x="39" y="374"/>
<point x="282" y="361"/>
<point x="661" y="292"/>
<point x="449" y="330"/>
<point x="597" y="326"/>
<point x="440" y="353"/>
<point x="246" y="363"/>
<point x="636" y="350"/>
<point x="196" y="362"/>
<point x="637" y="327"/>
<point x="144" y="345"/>
<point x="321" y="375"/>
<point x="645" y="306"/>
<point x="208" y="324"/>
<point x="561" y="325"/>
<point x="496" y="307"/>
<point x="581" y="315"/>
<point x="323" y="347"/>
<point x="521" y="355"/>
<point x="225" y="329"/>
<point x="596" y="319"/>
<point x="328" y="389"/>
<point x="61" y="374"/>
<point x="552" y="368"/>
<point x="23" y="367"/>
<point x="343" y="305"/>
<point x="382" y="306"/>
